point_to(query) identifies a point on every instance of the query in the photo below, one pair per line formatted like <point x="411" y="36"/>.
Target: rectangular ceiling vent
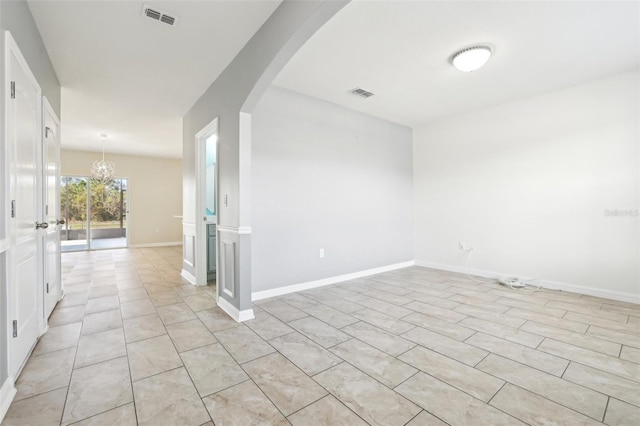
<point x="158" y="15"/>
<point x="361" y="93"/>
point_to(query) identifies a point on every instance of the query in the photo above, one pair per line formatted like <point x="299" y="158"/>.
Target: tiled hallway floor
<point x="132" y="344"/>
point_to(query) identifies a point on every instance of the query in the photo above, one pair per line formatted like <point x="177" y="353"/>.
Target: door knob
<point x="60" y="222"/>
<point x="42" y="225"/>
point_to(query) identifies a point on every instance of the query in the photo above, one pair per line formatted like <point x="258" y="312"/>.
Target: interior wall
<point x="326" y="177"/>
<point x="155" y="192"/>
<point x="533" y="187"/>
<point x="16" y="17"/>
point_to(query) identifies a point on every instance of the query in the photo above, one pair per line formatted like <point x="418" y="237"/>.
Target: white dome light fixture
<point x="472" y="58"/>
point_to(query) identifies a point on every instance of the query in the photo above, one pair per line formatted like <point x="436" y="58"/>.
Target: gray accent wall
<point x="326" y="177"/>
<point x="15" y="16"/>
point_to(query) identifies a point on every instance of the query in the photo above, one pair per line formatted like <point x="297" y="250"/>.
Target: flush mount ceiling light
<point x="471" y="58"/>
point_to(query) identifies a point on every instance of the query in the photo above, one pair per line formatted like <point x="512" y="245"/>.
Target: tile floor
<point x="131" y="343"/>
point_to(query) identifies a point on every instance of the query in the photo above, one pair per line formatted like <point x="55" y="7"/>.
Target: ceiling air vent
<point x="158" y="15"/>
<point x="361" y="93"/>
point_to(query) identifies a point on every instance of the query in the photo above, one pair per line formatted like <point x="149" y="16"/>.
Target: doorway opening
<point x="95" y="213"/>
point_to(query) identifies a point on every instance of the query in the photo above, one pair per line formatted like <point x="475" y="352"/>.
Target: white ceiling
<point x="134" y="78"/>
<point x="400" y="51"/>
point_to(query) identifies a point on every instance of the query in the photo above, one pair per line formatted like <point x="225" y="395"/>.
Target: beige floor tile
<point x="102" y="321"/>
<point x="243" y="344"/>
<point x="387" y="308"/>
<point x="536" y="410"/>
<point x="504" y="332"/>
<point x="603" y="382"/>
<point x="96" y="389"/>
<point x="102" y="304"/>
<point x="320" y="332"/>
<point x="325" y="412"/>
<point x="385" y="322"/>
<point x="140" y="328"/>
<point x="331" y="316"/>
<point x="450" y="404"/>
<point x="60" y="337"/>
<point x="578" y="327"/>
<point x="633" y="311"/>
<point x="99" y="347"/>
<point x="216" y="319"/>
<point x="189" y="335"/>
<point x="305" y="353"/>
<point x="604" y="323"/>
<point x="103" y="291"/>
<point x="630" y="354"/>
<point x="488" y="315"/>
<point x="152" y="356"/>
<point x="124" y="415"/>
<point x="468" y="379"/>
<point x="200" y="302"/>
<point x="377" y="364"/>
<point x="41" y="410"/>
<point x="588" y="310"/>
<point x="455" y="349"/>
<point x="435" y="311"/>
<point x="578" y="339"/>
<point x="68" y="315"/>
<point x="492" y="305"/>
<point x="439" y="326"/>
<point x="168" y="297"/>
<point x="73" y="299"/>
<point x="284" y="311"/>
<point x="437" y="299"/>
<point x="426" y="419"/>
<point x="593" y="359"/>
<point x="297" y="300"/>
<point x="388" y="297"/>
<point x="522" y="354"/>
<point x="614" y="336"/>
<point x="541" y="309"/>
<point x="267" y="326"/>
<point x="169" y="399"/>
<point x="137" y="308"/>
<point x="372" y="401"/>
<point x="243" y="404"/>
<point x="212" y="369"/>
<point x="378" y="338"/>
<point x="288" y="387"/>
<point x="622" y="414"/>
<point x="44" y="373"/>
<point x="129" y="295"/>
<point x="579" y="398"/>
<point x="178" y="312"/>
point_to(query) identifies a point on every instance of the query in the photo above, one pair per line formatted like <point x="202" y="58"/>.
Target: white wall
<point x="324" y="176"/>
<point x="155" y="192"/>
<point x="526" y="184"/>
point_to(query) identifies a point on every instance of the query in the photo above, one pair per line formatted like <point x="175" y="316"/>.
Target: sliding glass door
<point x="95" y="214"/>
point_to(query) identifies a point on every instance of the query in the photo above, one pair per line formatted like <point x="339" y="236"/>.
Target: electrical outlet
<point x="321" y="253"/>
<point x="462" y="245"/>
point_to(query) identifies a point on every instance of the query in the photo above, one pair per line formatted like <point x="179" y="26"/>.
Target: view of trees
<point x="108" y="200"/>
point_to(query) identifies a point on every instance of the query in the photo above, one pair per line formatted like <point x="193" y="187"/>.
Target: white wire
<point x="525" y="283"/>
<point x="467" y="265"/>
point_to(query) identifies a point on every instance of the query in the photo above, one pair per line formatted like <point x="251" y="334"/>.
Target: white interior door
<point x="51" y="155"/>
<point x="23" y="138"/>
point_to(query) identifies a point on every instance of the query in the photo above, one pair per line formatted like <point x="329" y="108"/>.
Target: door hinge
<point x="47" y="287"/>
<point x="46" y="210"/>
<point x="47" y="130"/>
<point x="13" y="208"/>
<point x="13" y="90"/>
<point x="15" y="328"/>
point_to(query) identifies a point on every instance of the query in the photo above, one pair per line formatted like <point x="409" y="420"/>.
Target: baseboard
<point x="164" y="244"/>
<point x="265" y="294"/>
<point x="233" y="312"/>
<point x="188" y="276"/>
<point x="551" y="285"/>
<point x="7" y="393"/>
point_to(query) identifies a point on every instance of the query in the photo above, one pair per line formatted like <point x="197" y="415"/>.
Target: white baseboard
<point x="188" y="276"/>
<point x="265" y="294"/>
<point x="7" y="393"/>
<point x="233" y="312"/>
<point x="164" y="244"/>
<point x="550" y="285"/>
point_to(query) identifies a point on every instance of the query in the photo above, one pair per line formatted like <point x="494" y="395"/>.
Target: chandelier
<point x="102" y="170"/>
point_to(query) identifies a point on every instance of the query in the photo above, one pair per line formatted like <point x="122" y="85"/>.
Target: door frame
<point x="201" y="236"/>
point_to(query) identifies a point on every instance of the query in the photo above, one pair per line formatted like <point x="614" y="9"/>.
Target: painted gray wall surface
<point x="527" y="184"/>
<point x="324" y="176"/>
<point x="236" y="91"/>
<point x="15" y="16"/>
